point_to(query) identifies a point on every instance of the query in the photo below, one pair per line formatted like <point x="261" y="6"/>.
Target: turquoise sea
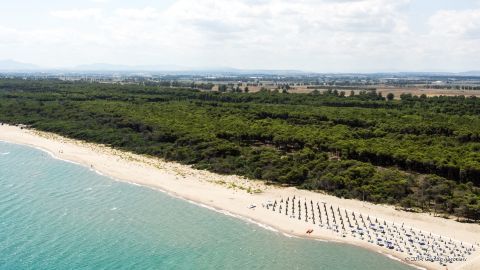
<point x="59" y="215"/>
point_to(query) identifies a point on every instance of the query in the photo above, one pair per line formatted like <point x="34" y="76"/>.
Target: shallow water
<point x="59" y="215"/>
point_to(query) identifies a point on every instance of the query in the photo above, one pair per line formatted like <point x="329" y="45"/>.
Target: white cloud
<point x="285" y="31"/>
<point x="303" y="16"/>
<point x="465" y="23"/>
<point x="77" y="14"/>
<point x="16" y="37"/>
<point x="147" y="13"/>
<point x="322" y="35"/>
<point x="453" y="40"/>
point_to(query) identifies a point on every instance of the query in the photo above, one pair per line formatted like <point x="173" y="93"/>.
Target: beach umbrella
<point x="319" y="214"/>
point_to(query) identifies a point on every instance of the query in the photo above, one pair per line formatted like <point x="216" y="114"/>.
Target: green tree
<point x="222" y="88"/>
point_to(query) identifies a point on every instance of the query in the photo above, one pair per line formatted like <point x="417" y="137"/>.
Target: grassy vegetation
<point x="415" y="152"/>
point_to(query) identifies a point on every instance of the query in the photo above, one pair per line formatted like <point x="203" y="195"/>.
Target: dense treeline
<point x="418" y="152"/>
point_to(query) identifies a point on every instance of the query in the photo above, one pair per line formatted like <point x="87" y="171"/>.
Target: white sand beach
<point x="236" y="194"/>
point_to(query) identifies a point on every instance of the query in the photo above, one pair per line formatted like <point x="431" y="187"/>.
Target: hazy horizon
<point x="108" y="68"/>
<point x="329" y="36"/>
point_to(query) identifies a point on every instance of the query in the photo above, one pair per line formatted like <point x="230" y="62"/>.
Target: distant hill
<point x="11" y="65"/>
<point x="113" y="67"/>
<point x="470" y="73"/>
<point x="189" y="70"/>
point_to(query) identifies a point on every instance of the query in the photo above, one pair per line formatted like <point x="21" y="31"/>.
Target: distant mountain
<point x="11" y="65"/>
<point x="112" y="67"/>
<point x="175" y="68"/>
<point x="470" y="73"/>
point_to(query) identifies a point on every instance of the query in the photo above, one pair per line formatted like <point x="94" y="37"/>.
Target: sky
<point x="307" y="35"/>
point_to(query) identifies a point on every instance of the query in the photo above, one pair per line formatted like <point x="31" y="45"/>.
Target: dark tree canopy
<point x="421" y="152"/>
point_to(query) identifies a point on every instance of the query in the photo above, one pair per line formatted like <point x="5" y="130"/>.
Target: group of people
<point x="413" y="243"/>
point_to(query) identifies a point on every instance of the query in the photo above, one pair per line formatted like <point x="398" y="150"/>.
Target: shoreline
<point x="231" y="195"/>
